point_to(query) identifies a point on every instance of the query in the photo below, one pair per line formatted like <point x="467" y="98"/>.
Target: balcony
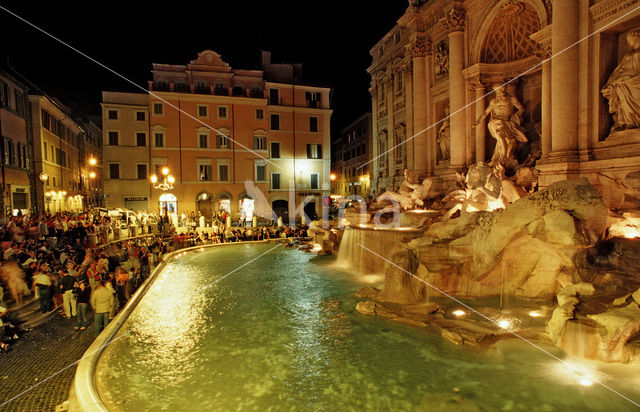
<point x="160" y="86"/>
<point x="238" y="92"/>
<point x="202" y="90"/>
<point x="221" y="91"/>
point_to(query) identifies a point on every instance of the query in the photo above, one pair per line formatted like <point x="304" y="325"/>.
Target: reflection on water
<point x="281" y="334"/>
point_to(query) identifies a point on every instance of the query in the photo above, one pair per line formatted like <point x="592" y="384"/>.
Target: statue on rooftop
<point x="506" y="116"/>
<point x="623" y="87"/>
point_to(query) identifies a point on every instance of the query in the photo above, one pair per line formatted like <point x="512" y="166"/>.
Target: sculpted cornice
<point x="454" y="20"/>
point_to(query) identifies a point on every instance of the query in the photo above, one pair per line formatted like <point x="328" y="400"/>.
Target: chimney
<point x="266" y="57"/>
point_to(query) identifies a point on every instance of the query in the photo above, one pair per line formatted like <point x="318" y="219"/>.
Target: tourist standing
<point x="66" y="288"/>
<point x="102" y="302"/>
<point x="43" y="282"/>
<point x="83" y="295"/>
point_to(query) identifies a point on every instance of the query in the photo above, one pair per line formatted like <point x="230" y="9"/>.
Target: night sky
<point x="329" y="38"/>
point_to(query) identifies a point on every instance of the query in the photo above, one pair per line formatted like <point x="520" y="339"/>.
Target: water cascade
<point x="378" y="240"/>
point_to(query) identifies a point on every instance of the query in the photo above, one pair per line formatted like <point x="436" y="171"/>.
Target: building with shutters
<point x="15" y="197"/>
<point x="350" y="157"/>
<point x="215" y="128"/>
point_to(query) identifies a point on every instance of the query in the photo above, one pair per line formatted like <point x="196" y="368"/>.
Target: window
<point x="158" y="109"/>
<point x="44" y="150"/>
<point x="274" y="96"/>
<point x="314" y="181"/>
<point x="222" y="112"/>
<point x="313" y="124"/>
<point x="142" y="172"/>
<point x="398" y="82"/>
<point x="222" y="141"/>
<point x="203" y="111"/>
<point x="259" y="114"/>
<point x="141" y="139"/>
<point x="313" y="99"/>
<point x="113" y="138"/>
<point x="275" y="150"/>
<point x="113" y="114"/>
<point x="19" y="103"/>
<point x="261" y="172"/>
<point x="141" y="116"/>
<point x="397" y="37"/>
<point x="275" y="122"/>
<point x="275" y="180"/>
<point x="314" y="151"/>
<point x="114" y="171"/>
<point x="259" y="143"/>
<point x="203" y="141"/>
<point x="223" y="173"/>
<point x="159" y="139"/>
<point x="204" y="173"/>
<point x="4" y="94"/>
<point x="53" y="154"/>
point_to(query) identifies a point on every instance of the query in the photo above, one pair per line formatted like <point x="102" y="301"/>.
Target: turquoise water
<point x="281" y="333"/>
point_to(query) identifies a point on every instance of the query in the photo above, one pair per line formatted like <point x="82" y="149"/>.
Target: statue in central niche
<point x="623" y="87"/>
<point x="506" y="116"/>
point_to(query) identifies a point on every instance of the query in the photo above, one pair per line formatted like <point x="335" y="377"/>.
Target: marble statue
<point x="623" y="88"/>
<point x="443" y="139"/>
<point x="483" y="191"/>
<point x="421" y="192"/>
<point x="504" y="126"/>
<point x="410" y="193"/>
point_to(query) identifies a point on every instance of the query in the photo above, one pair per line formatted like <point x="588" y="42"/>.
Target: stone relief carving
<point x="443" y="138"/>
<point x="623" y="87"/>
<point x="504" y="126"/>
<point x="441" y="59"/>
<point x="421" y="46"/>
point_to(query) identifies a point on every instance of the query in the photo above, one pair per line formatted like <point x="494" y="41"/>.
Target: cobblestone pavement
<point x="40" y="353"/>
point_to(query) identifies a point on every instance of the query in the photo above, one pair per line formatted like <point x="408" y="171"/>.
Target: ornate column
<point x="407" y="82"/>
<point x="417" y="49"/>
<point x="543" y="37"/>
<point x="564" y="79"/>
<point x="481" y="131"/>
<point x="454" y="24"/>
<point x="388" y="88"/>
<point x="373" y="90"/>
<point x="546" y="115"/>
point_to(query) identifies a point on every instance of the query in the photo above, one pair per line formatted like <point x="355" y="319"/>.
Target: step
<point x="28" y="303"/>
<point x="37" y="318"/>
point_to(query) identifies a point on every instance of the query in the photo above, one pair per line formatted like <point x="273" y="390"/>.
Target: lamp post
<point x="164" y="183"/>
<point x="44" y="177"/>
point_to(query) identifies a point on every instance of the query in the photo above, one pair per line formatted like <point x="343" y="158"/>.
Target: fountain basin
<point x="281" y="333"/>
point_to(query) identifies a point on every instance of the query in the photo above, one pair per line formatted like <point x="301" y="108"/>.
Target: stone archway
<point x="494" y="23"/>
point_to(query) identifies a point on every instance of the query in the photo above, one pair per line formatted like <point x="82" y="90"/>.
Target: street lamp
<point x="92" y="175"/>
<point x="92" y="161"/>
<point x="167" y="181"/>
<point x="43" y="176"/>
<point x="332" y="177"/>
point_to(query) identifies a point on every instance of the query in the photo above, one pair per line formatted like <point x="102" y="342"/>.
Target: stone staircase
<point x="27" y="315"/>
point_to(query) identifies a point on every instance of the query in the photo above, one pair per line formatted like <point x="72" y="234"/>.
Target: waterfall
<point x="580" y="339"/>
<point x="380" y="241"/>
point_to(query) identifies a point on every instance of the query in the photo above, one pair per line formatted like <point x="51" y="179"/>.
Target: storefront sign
<point x="309" y="194"/>
<point x="135" y="199"/>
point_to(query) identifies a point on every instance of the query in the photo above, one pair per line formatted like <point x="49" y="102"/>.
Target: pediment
<point x="209" y="58"/>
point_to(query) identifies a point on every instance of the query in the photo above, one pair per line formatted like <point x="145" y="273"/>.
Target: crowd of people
<point x="65" y="260"/>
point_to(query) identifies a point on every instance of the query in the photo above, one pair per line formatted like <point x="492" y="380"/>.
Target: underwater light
<point x="458" y="313"/>
<point x="535" y="314"/>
